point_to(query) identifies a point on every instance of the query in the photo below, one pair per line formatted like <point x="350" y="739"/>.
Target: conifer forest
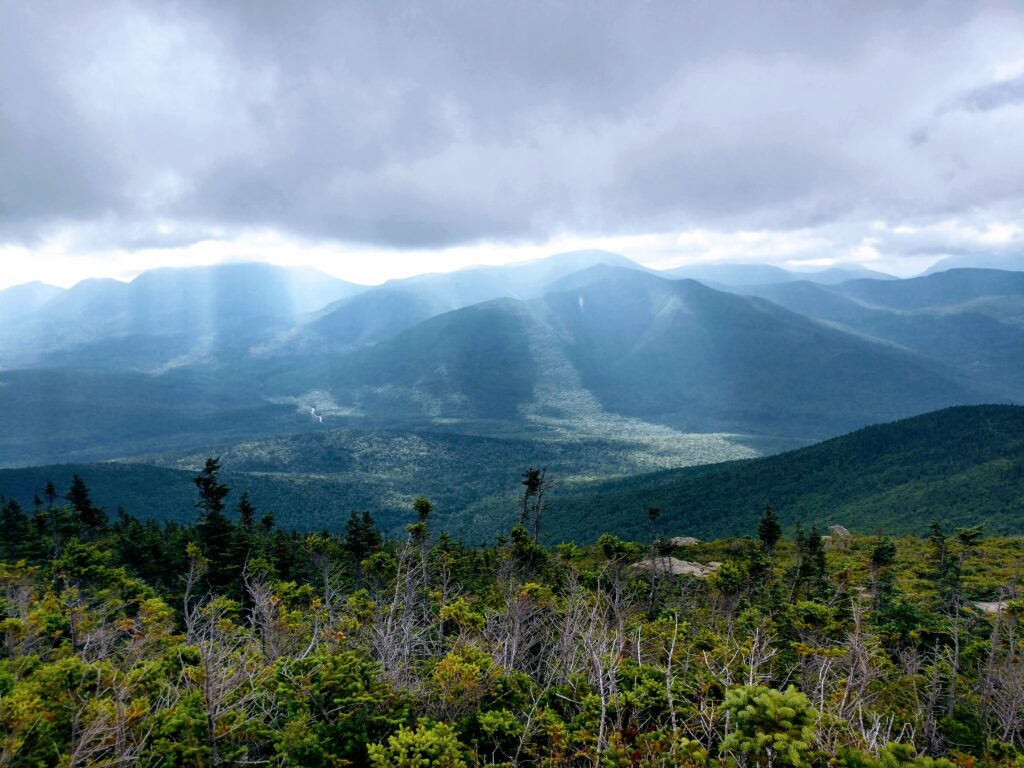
<point x="231" y="642"/>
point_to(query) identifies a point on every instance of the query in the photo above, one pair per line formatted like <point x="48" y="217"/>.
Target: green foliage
<point x="359" y="650"/>
<point x="769" y="529"/>
<point x="428" y="746"/>
<point x="771" y="727"/>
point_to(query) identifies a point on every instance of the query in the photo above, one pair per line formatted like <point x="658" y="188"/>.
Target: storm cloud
<point x="423" y="125"/>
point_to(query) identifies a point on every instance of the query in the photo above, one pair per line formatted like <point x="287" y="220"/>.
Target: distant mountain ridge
<point x="584" y="343"/>
<point x="970" y="320"/>
<point x="228" y="304"/>
<point x="22" y="300"/>
<point x="733" y="275"/>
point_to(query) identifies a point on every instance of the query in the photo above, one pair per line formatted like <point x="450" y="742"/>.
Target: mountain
<point x="168" y="314"/>
<point x="671" y="352"/>
<point x="952" y="290"/>
<point x="21" y="300"/>
<point x="961" y="466"/>
<point x="397" y="305"/>
<point x="833" y="275"/>
<point x="971" y="321"/>
<point x="522" y="280"/>
<point x="734" y="275"/>
<point x="681" y="353"/>
<point x="607" y="351"/>
<point x="1006" y="261"/>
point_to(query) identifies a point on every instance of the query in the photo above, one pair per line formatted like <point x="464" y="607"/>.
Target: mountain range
<point x="586" y="361"/>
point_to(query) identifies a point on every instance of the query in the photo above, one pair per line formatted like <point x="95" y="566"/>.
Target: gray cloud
<point x="426" y="124"/>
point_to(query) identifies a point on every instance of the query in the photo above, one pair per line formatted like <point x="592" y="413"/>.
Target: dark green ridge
<point x="962" y="466"/>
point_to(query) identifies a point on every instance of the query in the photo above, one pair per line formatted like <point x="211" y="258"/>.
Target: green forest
<point x="231" y="642"/>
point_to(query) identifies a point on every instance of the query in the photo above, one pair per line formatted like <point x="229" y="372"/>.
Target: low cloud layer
<point x="896" y="130"/>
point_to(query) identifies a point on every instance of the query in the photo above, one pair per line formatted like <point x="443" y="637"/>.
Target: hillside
<point x="682" y="354"/>
<point x="962" y="466"/>
<point x="971" y="321"/>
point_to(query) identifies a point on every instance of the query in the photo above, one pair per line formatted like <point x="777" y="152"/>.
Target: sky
<point x="381" y="139"/>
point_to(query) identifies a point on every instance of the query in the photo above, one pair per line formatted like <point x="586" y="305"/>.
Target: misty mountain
<point x="190" y="359"/>
<point x="734" y="275"/>
<point x="167" y="314"/>
<point x="673" y="352"/>
<point x="382" y="312"/>
<point x="1006" y="261"/>
<point x="969" y="320"/>
<point x="681" y="353"/>
<point x="20" y="300"/>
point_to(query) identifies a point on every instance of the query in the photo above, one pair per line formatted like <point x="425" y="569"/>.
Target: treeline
<point x="231" y="642"/>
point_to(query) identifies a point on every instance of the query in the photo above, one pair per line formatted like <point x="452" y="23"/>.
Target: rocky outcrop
<point x="675" y="567"/>
<point x="683" y="541"/>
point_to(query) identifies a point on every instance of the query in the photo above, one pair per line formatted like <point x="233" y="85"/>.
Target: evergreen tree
<point x="50" y="492"/>
<point x="244" y="540"/>
<point x="91" y="517"/>
<point x="882" y="556"/>
<point x="17" y="540"/>
<point x="214" y="531"/>
<point x="361" y="539"/>
<point x="211" y="490"/>
<point x="937" y="540"/>
<point x="769" y="530"/>
<point x="815" y="560"/>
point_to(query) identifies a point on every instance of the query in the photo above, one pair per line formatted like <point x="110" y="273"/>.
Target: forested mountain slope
<point x="961" y="466"/>
<point x="970" y="320"/>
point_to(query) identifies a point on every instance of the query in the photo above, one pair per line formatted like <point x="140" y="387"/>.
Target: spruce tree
<point x="214" y="532"/>
<point x="91" y="517"/>
<point x="769" y="530"/>
<point x="16" y="542"/>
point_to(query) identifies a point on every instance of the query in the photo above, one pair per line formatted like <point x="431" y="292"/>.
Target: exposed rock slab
<point x="676" y="567"/>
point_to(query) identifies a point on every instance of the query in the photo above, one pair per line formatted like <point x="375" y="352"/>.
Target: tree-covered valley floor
<point x="231" y="642"/>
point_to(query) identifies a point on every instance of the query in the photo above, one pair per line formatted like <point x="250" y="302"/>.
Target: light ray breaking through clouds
<point x="383" y="139"/>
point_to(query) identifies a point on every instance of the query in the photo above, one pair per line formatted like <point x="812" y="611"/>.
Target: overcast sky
<point x="382" y="139"/>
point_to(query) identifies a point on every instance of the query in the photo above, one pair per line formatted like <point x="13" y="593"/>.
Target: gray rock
<point x="676" y="567"/>
<point x="684" y="541"/>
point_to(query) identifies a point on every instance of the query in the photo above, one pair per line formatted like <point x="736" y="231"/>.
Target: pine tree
<point x="361" y="539"/>
<point x="244" y="539"/>
<point x="815" y="560"/>
<point x="769" y="530"/>
<point x="16" y="542"/>
<point x="214" y="531"/>
<point x="937" y="539"/>
<point x="91" y="517"/>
